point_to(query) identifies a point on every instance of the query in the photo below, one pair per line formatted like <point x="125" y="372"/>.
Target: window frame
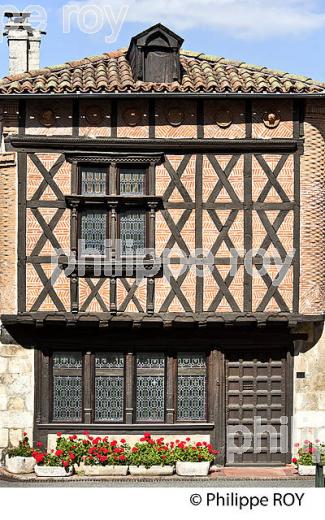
<point x="84" y="265"/>
<point x="88" y="374"/>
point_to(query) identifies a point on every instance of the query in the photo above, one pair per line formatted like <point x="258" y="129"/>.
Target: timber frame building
<point x="158" y="149"/>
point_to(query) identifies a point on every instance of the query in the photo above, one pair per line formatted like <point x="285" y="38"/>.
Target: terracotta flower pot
<point x="192" y="469"/>
<point x="153" y="471"/>
<point x="105" y="471"/>
<point x="53" y="471"/>
<point x="20" y="465"/>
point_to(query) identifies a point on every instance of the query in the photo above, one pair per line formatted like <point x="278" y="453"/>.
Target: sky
<point x="286" y="35"/>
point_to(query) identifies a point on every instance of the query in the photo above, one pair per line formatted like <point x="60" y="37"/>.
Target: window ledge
<point x="76" y="201"/>
<point x="129" y="427"/>
<point x="99" y="267"/>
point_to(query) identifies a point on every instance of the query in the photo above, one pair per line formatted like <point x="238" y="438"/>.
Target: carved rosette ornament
<point x="175" y="116"/>
<point x="94" y="115"/>
<point x="47" y="117"/>
<point x="224" y="117"/>
<point x="271" y="119"/>
<point x="132" y="116"/>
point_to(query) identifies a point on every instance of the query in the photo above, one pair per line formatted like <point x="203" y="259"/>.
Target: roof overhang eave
<point x="192" y="95"/>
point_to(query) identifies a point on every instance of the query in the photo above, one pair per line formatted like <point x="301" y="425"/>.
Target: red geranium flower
<point x="39" y="444"/>
<point x="65" y="463"/>
<point x="199" y="444"/>
<point x="58" y="453"/>
<point x="113" y="443"/>
<point x="85" y="432"/>
<point x="188" y="439"/>
<point x="59" y="434"/>
<point x="122" y="457"/>
<point x="134" y="449"/>
<point x="24" y="434"/>
<point x="123" y="441"/>
<point x="294" y="460"/>
<point x="147" y="434"/>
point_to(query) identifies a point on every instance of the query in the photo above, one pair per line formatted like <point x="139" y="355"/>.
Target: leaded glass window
<point x="93" y="232"/>
<point x="93" y="180"/>
<point x="133" y="232"/>
<point x="109" y="387"/>
<point x="67" y="386"/>
<point x="191" y="386"/>
<point x="132" y="181"/>
<point x="150" y="387"/>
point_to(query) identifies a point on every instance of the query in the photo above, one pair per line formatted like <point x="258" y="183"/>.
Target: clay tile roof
<point x="111" y="72"/>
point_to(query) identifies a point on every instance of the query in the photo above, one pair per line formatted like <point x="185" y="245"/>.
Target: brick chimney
<point x="23" y="42"/>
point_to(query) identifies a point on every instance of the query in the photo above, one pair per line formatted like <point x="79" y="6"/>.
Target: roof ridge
<point x="203" y="72"/>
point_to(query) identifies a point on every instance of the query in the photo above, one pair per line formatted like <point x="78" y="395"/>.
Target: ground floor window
<point x="149" y="383"/>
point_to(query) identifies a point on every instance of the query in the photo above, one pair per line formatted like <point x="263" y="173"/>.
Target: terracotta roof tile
<point x="111" y="72"/>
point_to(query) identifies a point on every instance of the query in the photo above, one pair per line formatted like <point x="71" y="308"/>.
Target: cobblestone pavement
<point x="172" y="482"/>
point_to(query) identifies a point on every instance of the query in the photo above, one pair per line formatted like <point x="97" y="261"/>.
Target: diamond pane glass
<point x="109" y="398"/>
<point x="67" y="398"/>
<point x="150" y="398"/>
<point x="191" y="400"/>
<point x="133" y="232"/>
<point x="150" y="361"/>
<point x="191" y="360"/>
<point x="109" y="360"/>
<point x="93" y="232"/>
<point x="93" y="181"/>
<point x="67" y="360"/>
<point x="132" y="182"/>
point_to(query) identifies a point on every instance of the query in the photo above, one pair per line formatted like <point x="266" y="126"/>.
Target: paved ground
<point x="166" y="483"/>
<point x="228" y="477"/>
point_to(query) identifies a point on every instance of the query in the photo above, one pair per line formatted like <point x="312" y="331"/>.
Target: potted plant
<point x="106" y="458"/>
<point x="193" y="459"/>
<point x="151" y="457"/>
<point x="57" y="463"/>
<point x="20" y="459"/>
<point x="305" y="459"/>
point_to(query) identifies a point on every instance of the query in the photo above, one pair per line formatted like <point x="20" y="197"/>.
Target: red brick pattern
<point x="126" y="120"/>
<point x="188" y="128"/>
<point x="63" y="117"/>
<point x="312" y="281"/>
<point x="8" y="233"/>
<point x="285" y="128"/>
<point x="237" y="128"/>
<point x="85" y="291"/>
<point x="103" y="127"/>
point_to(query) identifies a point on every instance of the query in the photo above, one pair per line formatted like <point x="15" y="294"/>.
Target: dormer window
<point x="154" y="55"/>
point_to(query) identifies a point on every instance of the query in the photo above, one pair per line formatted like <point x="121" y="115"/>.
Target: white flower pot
<point x="19" y="465"/>
<point x="53" y="471"/>
<point x="153" y="471"/>
<point x="308" y="470"/>
<point x="192" y="469"/>
<point x="105" y="471"/>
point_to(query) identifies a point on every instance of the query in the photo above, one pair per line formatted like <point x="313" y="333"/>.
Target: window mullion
<point x="87" y="388"/>
<point x="129" y="388"/>
<point x="170" y="376"/>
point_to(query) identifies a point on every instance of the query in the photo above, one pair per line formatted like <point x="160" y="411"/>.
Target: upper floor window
<point x="102" y="222"/>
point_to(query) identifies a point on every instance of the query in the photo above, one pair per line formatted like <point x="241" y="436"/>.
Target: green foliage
<point x="149" y="452"/>
<point x="101" y="452"/>
<point x="24" y="449"/>
<point x="307" y="451"/>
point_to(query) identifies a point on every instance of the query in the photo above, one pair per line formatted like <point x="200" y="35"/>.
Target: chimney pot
<point x="23" y="41"/>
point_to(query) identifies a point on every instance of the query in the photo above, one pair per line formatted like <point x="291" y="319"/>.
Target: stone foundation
<point x="16" y="394"/>
<point x="309" y="394"/>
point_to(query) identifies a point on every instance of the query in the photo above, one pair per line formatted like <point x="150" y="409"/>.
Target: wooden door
<point x="256" y="387"/>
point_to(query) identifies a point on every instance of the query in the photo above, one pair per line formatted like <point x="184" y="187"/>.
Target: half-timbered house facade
<point x="162" y="248"/>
